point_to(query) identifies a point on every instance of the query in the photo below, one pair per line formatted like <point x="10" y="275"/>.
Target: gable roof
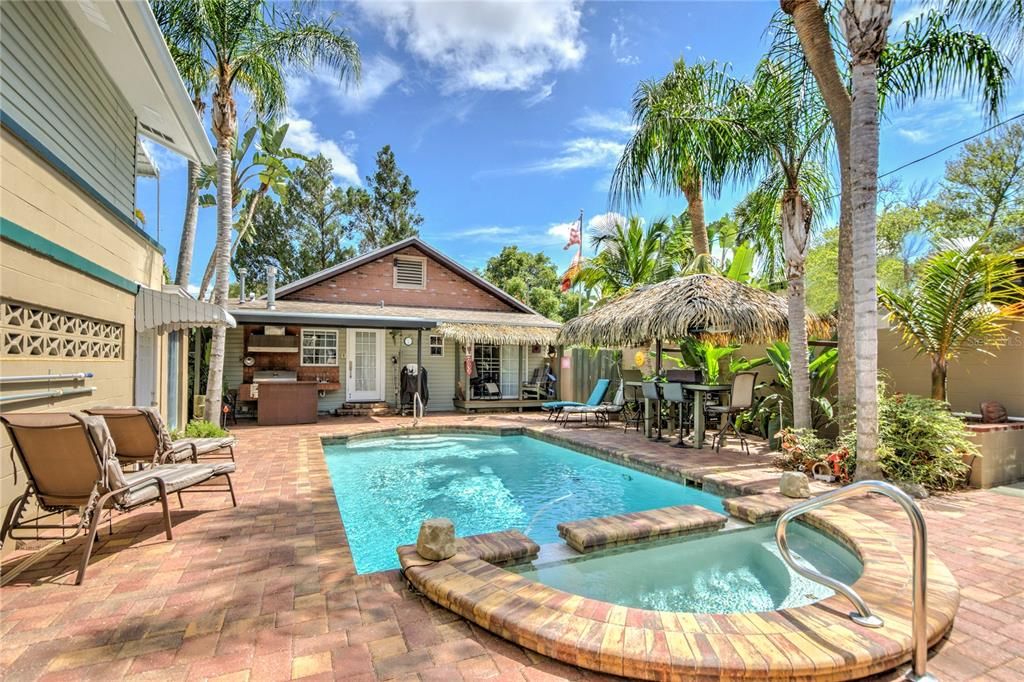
<point x="385" y="251"/>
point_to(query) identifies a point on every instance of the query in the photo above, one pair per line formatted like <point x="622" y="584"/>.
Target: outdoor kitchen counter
<point x="287" y="402"/>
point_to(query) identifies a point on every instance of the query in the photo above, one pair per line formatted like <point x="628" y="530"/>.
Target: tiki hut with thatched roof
<point x="705" y="306"/>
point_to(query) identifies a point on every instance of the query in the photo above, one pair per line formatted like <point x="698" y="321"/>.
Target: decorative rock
<point x="794" y="484"/>
<point x="436" y="541"/>
<point x="915" y="490"/>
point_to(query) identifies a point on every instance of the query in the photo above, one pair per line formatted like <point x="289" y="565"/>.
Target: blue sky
<point x="509" y="117"/>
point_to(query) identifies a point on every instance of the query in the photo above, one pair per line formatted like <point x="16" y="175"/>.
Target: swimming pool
<point x="731" y="572"/>
<point x="386" y="487"/>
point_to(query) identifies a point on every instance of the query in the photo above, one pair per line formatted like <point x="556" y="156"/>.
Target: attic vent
<point x="410" y="272"/>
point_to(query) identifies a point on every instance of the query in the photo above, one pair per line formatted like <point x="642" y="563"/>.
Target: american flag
<point x="574" y="237"/>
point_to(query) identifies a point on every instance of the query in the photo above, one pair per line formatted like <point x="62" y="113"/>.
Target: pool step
<point x="377" y="409"/>
<point x="588" y="535"/>
<point x="502" y="548"/>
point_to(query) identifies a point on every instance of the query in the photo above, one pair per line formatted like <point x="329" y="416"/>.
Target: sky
<point x="509" y="117"/>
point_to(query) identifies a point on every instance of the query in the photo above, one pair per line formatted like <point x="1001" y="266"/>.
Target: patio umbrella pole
<point x="657" y="377"/>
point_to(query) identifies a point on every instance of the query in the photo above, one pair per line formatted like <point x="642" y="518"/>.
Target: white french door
<point x="364" y="361"/>
<point x="145" y="369"/>
<point x="510" y="371"/>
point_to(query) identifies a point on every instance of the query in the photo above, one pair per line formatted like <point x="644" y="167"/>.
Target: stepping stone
<point x="588" y="535"/>
<point x="759" y="508"/>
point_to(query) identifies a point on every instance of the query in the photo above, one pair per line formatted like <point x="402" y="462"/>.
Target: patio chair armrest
<point x="181" y="446"/>
<point x="146" y="480"/>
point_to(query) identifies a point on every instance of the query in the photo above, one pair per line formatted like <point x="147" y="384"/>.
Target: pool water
<point x="739" y="571"/>
<point x="387" y="486"/>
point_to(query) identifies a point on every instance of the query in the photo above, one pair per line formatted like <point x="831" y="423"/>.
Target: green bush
<point x="199" y="428"/>
<point x="920" y="441"/>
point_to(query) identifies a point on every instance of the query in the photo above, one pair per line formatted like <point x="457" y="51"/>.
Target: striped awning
<point x="173" y="309"/>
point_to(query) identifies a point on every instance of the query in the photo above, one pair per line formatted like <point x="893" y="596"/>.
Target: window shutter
<point x="410" y="273"/>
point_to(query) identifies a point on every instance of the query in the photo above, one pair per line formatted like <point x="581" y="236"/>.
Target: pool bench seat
<point x="588" y="535"/>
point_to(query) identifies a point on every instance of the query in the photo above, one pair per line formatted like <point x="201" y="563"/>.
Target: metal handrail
<point x="417" y="414"/>
<point x="40" y="395"/>
<point x="863" y="616"/>
<point x="76" y="376"/>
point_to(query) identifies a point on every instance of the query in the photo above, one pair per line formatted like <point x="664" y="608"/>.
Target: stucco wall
<point x="972" y="378"/>
<point x="37" y="198"/>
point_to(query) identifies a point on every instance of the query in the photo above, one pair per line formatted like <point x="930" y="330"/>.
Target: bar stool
<point x="653" y="393"/>
<point x="674" y="393"/>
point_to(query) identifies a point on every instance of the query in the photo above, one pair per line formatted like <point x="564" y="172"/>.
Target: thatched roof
<point x="498" y="334"/>
<point x="701" y="305"/>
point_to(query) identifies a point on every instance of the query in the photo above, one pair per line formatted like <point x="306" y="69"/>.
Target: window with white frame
<point x="436" y="346"/>
<point x="410" y="272"/>
<point x="320" y="347"/>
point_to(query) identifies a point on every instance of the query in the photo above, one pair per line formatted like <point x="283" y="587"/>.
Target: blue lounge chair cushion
<point x="600" y="388"/>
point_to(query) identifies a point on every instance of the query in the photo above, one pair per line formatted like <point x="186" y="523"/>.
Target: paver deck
<point x="268" y="591"/>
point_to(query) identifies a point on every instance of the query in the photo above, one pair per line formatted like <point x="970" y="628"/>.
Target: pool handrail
<point x="863" y="615"/>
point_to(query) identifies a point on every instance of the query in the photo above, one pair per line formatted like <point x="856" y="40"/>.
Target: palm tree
<point x="247" y="44"/>
<point x="630" y="255"/>
<point x="786" y="119"/>
<point x="964" y="298"/>
<point x="198" y="79"/>
<point x="931" y="57"/>
<point x="668" y="159"/>
<point x="267" y="164"/>
<point x="866" y="25"/>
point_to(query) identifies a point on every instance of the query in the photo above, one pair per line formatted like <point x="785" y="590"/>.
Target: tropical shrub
<point x="199" y="428"/>
<point x="705" y="355"/>
<point x="802" y="449"/>
<point x="920" y="441"/>
<point x="773" y="410"/>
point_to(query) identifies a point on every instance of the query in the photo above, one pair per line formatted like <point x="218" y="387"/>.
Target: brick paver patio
<point x="268" y="590"/>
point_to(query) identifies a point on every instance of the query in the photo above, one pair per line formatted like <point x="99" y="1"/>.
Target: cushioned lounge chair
<point x="555" y="407"/>
<point x="140" y="436"/>
<point x="602" y="413"/>
<point x="70" y="467"/>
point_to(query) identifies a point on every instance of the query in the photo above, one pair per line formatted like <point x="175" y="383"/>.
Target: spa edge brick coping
<point x="588" y="535"/>
<point x="818" y="641"/>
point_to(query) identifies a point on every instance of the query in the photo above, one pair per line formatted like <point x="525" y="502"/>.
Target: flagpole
<point x="579" y="256"/>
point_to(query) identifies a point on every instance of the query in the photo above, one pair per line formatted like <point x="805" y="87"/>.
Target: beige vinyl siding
<point x="53" y="86"/>
<point x="440" y="370"/>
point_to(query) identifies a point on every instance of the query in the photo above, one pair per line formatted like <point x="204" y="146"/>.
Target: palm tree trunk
<point x="796" y="229"/>
<point x="693" y="190"/>
<point x="866" y="23"/>
<point x="816" y="41"/>
<point x="224" y="128"/>
<point x="938" y="379"/>
<point x="188" y="227"/>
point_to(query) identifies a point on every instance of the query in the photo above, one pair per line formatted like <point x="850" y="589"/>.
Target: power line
<point x="953" y="144"/>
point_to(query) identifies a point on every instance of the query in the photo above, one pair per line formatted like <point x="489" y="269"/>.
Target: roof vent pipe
<point x="242" y="272"/>
<point x="271" y="287"/>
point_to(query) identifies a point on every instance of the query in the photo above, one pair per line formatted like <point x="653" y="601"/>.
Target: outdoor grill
<point x="275" y="376"/>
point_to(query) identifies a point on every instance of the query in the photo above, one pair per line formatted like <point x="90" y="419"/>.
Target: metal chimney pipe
<point x="242" y="272"/>
<point x="271" y="287"/>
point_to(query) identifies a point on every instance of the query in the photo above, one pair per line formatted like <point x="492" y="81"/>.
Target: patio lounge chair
<point x="140" y="436"/>
<point x="70" y="467"/>
<point x="555" y="407"/>
<point x="602" y="413"/>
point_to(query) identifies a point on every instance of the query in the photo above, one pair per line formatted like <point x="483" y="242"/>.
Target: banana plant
<point x="267" y="164"/>
<point x="705" y="355"/>
<point x="773" y="409"/>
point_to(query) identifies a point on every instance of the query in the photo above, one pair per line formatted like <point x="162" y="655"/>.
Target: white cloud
<point x="582" y="152"/>
<point x="485" y="45"/>
<point x="491" y="231"/>
<point x="915" y="135"/>
<point x="379" y="73"/>
<point x="605" y="222"/>
<point x="619" y="44"/>
<point x="560" y="231"/>
<point x="303" y="138"/>
<point x="163" y="158"/>
<point x="612" y="121"/>
<point x="543" y="92"/>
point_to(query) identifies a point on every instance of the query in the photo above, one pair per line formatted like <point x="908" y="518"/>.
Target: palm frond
<point x="933" y="58"/>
